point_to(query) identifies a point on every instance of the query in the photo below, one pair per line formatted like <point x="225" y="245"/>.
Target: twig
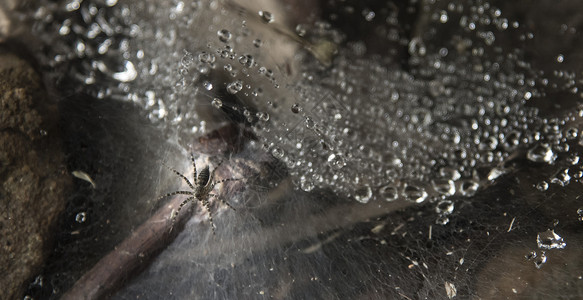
<point x="130" y="256"/>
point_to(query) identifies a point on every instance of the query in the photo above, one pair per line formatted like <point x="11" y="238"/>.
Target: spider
<point x="200" y="189"/>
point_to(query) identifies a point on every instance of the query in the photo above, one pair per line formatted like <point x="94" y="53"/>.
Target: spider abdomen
<point x="203" y="177"/>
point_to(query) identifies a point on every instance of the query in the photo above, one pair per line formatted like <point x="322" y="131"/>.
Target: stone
<point x="33" y="177"/>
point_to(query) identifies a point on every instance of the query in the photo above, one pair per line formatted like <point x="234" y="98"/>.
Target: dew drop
<point x="416" y="47"/>
<point x="128" y="74"/>
<point x="541" y="153"/>
<point x="542" y="186"/>
<point x="206" y="57"/>
<point x="540" y="261"/>
<point x="266" y="16"/>
<point x="81" y="217"/>
<point x="573" y="159"/>
<point x="234" y="87"/>
<point x="263" y="116"/>
<point x="444" y="207"/>
<point x="224" y="35"/>
<point x="531" y="255"/>
<point x="444" y="187"/>
<point x="469" y="188"/>
<point x="580" y="214"/>
<point x="562" y="178"/>
<point x="363" y="194"/>
<point x="336" y="161"/>
<point x="442" y="220"/>
<point x="368" y="14"/>
<point x="449" y="173"/>
<point x="415" y="194"/>
<point x="247" y="60"/>
<point x="295" y="108"/>
<point x="217" y="103"/>
<point x="389" y="192"/>
<point x="496" y="172"/>
<point x="277" y="152"/>
<point x="301" y="30"/>
<point x="550" y="240"/>
<point x="208" y="85"/>
<point x="305" y="184"/>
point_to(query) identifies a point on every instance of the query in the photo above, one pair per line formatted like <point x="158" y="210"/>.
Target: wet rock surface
<point x="33" y="178"/>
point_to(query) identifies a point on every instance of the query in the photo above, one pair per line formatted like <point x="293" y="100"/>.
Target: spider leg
<point x="212" y="186"/>
<point x="212" y="175"/>
<point x="180" y="175"/>
<point x="193" y="167"/>
<point x="175" y="193"/>
<point x="222" y="200"/>
<point x="206" y="204"/>
<point x="180" y="207"/>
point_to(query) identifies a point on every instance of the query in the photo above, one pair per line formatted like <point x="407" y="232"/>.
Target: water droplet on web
<point x="208" y="85"/>
<point x="217" y="103"/>
<point x="306" y="184"/>
<point x="263" y="116"/>
<point x="234" y="87"/>
<point x="443" y="17"/>
<point x="541" y="153"/>
<point x="81" y="217"/>
<point x="415" y="194"/>
<point x="266" y="16"/>
<point x="469" y="188"/>
<point x="224" y="35"/>
<point x="540" y="260"/>
<point x="496" y="172"/>
<point x="444" y="207"/>
<point x="257" y="43"/>
<point x="295" y="108"/>
<point x="542" y="186"/>
<point x="549" y="240"/>
<point x="247" y="60"/>
<point x="444" y="187"/>
<point x="531" y="255"/>
<point x="363" y="194"/>
<point x="449" y="173"/>
<point x="336" y="161"/>
<point x="571" y="133"/>
<point x="573" y="159"/>
<point x="580" y="214"/>
<point x="442" y="220"/>
<point x="416" y="47"/>
<point x="511" y="141"/>
<point x="277" y="152"/>
<point x="206" y="57"/>
<point x="389" y="192"/>
<point x="562" y="178"/>
<point x="301" y="30"/>
<point x="368" y="14"/>
<point x="128" y="74"/>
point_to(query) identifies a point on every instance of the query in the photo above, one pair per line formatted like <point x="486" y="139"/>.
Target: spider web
<point x="308" y="239"/>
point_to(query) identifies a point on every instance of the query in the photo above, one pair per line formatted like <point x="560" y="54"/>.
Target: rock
<point x="33" y="177"/>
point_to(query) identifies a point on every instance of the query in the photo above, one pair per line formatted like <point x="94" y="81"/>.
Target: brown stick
<point x="129" y="257"/>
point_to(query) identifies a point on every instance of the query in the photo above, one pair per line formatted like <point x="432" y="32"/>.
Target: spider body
<point x="200" y="188"/>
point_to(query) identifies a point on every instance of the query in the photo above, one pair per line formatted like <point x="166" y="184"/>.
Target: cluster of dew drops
<point x="363" y="129"/>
